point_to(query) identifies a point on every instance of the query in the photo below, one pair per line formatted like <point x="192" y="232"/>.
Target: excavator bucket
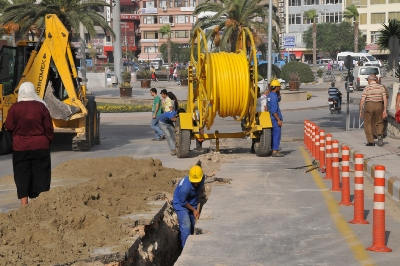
<point x="58" y="109"/>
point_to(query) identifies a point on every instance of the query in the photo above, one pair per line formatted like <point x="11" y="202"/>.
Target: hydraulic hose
<point x="228" y="83"/>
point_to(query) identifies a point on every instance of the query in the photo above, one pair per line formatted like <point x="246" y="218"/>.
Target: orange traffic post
<point x="378" y="226"/>
<point x="335" y="166"/>
<point x="322" y="149"/>
<point x="313" y="140"/>
<point x="317" y="144"/>
<point x="328" y="157"/>
<point x="359" y="190"/>
<point x="308" y="135"/>
<point x="345" y="177"/>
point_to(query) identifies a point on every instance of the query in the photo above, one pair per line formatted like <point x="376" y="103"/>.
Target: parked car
<point x="361" y="74"/>
<point x="155" y="65"/>
<point x="135" y="66"/>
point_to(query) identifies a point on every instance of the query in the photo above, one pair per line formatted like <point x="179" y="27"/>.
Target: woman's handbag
<point x="397" y="116"/>
<point x="5" y="141"/>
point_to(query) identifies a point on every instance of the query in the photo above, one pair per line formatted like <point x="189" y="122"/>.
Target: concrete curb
<point x="392" y="182"/>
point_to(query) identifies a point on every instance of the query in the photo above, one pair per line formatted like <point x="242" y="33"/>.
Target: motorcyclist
<point x="335" y="93"/>
<point x="351" y="79"/>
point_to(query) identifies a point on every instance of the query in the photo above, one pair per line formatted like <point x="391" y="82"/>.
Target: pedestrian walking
<point x="153" y="74"/>
<point x="276" y="117"/>
<point x="174" y="100"/>
<point x="167" y="104"/>
<point x="171" y="72"/>
<point x="166" y="124"/>
<point x="32" y="130"/>
<point x="186" y="199"/>
<point x="374" y="98"/>
<point x="155" y="115"/>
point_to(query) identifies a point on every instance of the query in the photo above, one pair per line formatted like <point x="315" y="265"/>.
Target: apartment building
<point x="372" y="14"/>
<point x="154" y="14"/>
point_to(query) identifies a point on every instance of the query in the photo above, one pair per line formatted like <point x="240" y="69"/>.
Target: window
<point x="375" y="36"/>
<point x="294" y="19"/>
<point x="395" y="15"/>
<point x="181" y="34"/>
<point x="165" y="36"/>
<point x="151" y="49"/>
<point x="294" y="2"/>
<point x="377" y="2"/>
<point x="150" y="35"/>
<point x="128" y="9"/>
<point x="182" y="19"/>
<point x="150" y="20"/>
<point x="331" y="2"/>
<point x="108" y="38"/>
<point x="394" y="1"/>
<point x="377" y="18"/>
<point x="308" y="21"/>
<point x="191" y="3"/>
<point x="363" y="18"/>
<point x="192" y="19"/>
<point x="334" y="17"/>
<point x="165" y="3"/>
<point x="179" y="3"/>
<point x="311" y="2"/>
<point x="149" y="4"/>
<point x="165" y="19"/>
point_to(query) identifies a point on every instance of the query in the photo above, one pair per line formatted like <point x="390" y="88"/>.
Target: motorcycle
<point x="333" y="105"/>
<point x="349" y="88"/>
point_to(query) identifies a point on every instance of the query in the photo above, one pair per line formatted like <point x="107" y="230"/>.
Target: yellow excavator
<point x="50" y="65"/>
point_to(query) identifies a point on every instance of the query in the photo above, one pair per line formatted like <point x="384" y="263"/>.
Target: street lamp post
<point x="155" y="47"/>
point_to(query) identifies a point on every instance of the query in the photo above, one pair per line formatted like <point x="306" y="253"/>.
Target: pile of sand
<point x="67" y="223"/>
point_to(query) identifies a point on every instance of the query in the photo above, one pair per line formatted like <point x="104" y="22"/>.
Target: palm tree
<point x="312" y="15"/>
<point x="230" y="16"/>
<point x="351" y="12"/>
<point x="388" y="31"/>
<point x="27" y="13"/>
<point x="166" y="30"/>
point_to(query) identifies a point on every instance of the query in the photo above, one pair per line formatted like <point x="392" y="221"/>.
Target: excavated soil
<point x="68" y="222"/>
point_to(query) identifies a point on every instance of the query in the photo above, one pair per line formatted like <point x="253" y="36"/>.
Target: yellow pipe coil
<point x="229" y="83"/>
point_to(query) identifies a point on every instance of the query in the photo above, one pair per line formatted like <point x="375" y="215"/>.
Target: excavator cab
<point x="50" y="66"/>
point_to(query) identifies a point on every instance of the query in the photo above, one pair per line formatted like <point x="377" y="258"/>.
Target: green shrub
<point x="304" y="71"/>
<point x="320" y="72"/>
<point x="263" y="71"/>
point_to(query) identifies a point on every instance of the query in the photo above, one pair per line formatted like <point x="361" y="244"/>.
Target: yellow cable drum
<point x="222" y="82"/>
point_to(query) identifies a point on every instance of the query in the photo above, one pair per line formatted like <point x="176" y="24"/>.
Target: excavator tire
<point x="93" y="124"/>
<point x="84" y="145"/>
<point x="97" y="135"/>
<point x="182" y="140"/>
<point x="263" y="145"/>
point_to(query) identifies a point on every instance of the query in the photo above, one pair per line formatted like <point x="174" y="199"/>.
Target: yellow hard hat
<point x="195" y="174"/>
<point x="275" y="83"/>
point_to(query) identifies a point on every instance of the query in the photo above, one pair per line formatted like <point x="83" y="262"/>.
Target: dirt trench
<point x="120" y="216"/>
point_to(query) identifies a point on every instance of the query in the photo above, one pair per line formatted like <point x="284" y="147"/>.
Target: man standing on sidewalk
<point x="166" y="124"/>
<point x="276" y="117"/>
<point x="156" y="112"/>
<point x="374" y="97"/>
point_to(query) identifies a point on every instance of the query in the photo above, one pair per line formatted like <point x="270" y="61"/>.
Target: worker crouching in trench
<point x="186" y="201"/>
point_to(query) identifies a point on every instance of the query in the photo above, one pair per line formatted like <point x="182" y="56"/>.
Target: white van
<point x="361" y="73"/>
<point x="366" y="58"/>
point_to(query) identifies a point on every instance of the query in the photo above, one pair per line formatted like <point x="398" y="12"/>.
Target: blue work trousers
<point x="186" y="222"/>
<point x="276" y="135"/>
<point x="169" y="133"/>
<point x="154" y="125"/>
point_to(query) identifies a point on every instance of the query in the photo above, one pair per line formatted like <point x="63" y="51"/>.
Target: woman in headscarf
<point x="32" y="130"/>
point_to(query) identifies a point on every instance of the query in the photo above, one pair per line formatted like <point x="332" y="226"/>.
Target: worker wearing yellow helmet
<point x="276" y="117"/>
<point x="186" y="199"/>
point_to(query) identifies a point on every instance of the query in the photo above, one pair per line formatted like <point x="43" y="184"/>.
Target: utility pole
<point x="269" y="68"/>
<point x="116" y="12"/>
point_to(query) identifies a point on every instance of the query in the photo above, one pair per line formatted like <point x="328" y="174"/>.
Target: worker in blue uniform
<point x="276" y="117"/>
<point x="186" y="199"/>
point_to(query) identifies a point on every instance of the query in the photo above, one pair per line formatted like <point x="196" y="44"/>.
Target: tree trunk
<point x="356" y="36"/>
<point x="169" y="49"/>
<point x="314" y="43"/>
<point x="234" y="38"/>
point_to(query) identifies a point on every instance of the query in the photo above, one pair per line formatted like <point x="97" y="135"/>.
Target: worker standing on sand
<point x="185" y="201"/>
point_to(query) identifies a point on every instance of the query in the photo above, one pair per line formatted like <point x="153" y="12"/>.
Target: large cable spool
<point x="223" y="83"/>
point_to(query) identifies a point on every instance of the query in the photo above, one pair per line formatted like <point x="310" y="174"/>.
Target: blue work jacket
<point x="273" y="106"/>
<point x="186" y="193"/>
